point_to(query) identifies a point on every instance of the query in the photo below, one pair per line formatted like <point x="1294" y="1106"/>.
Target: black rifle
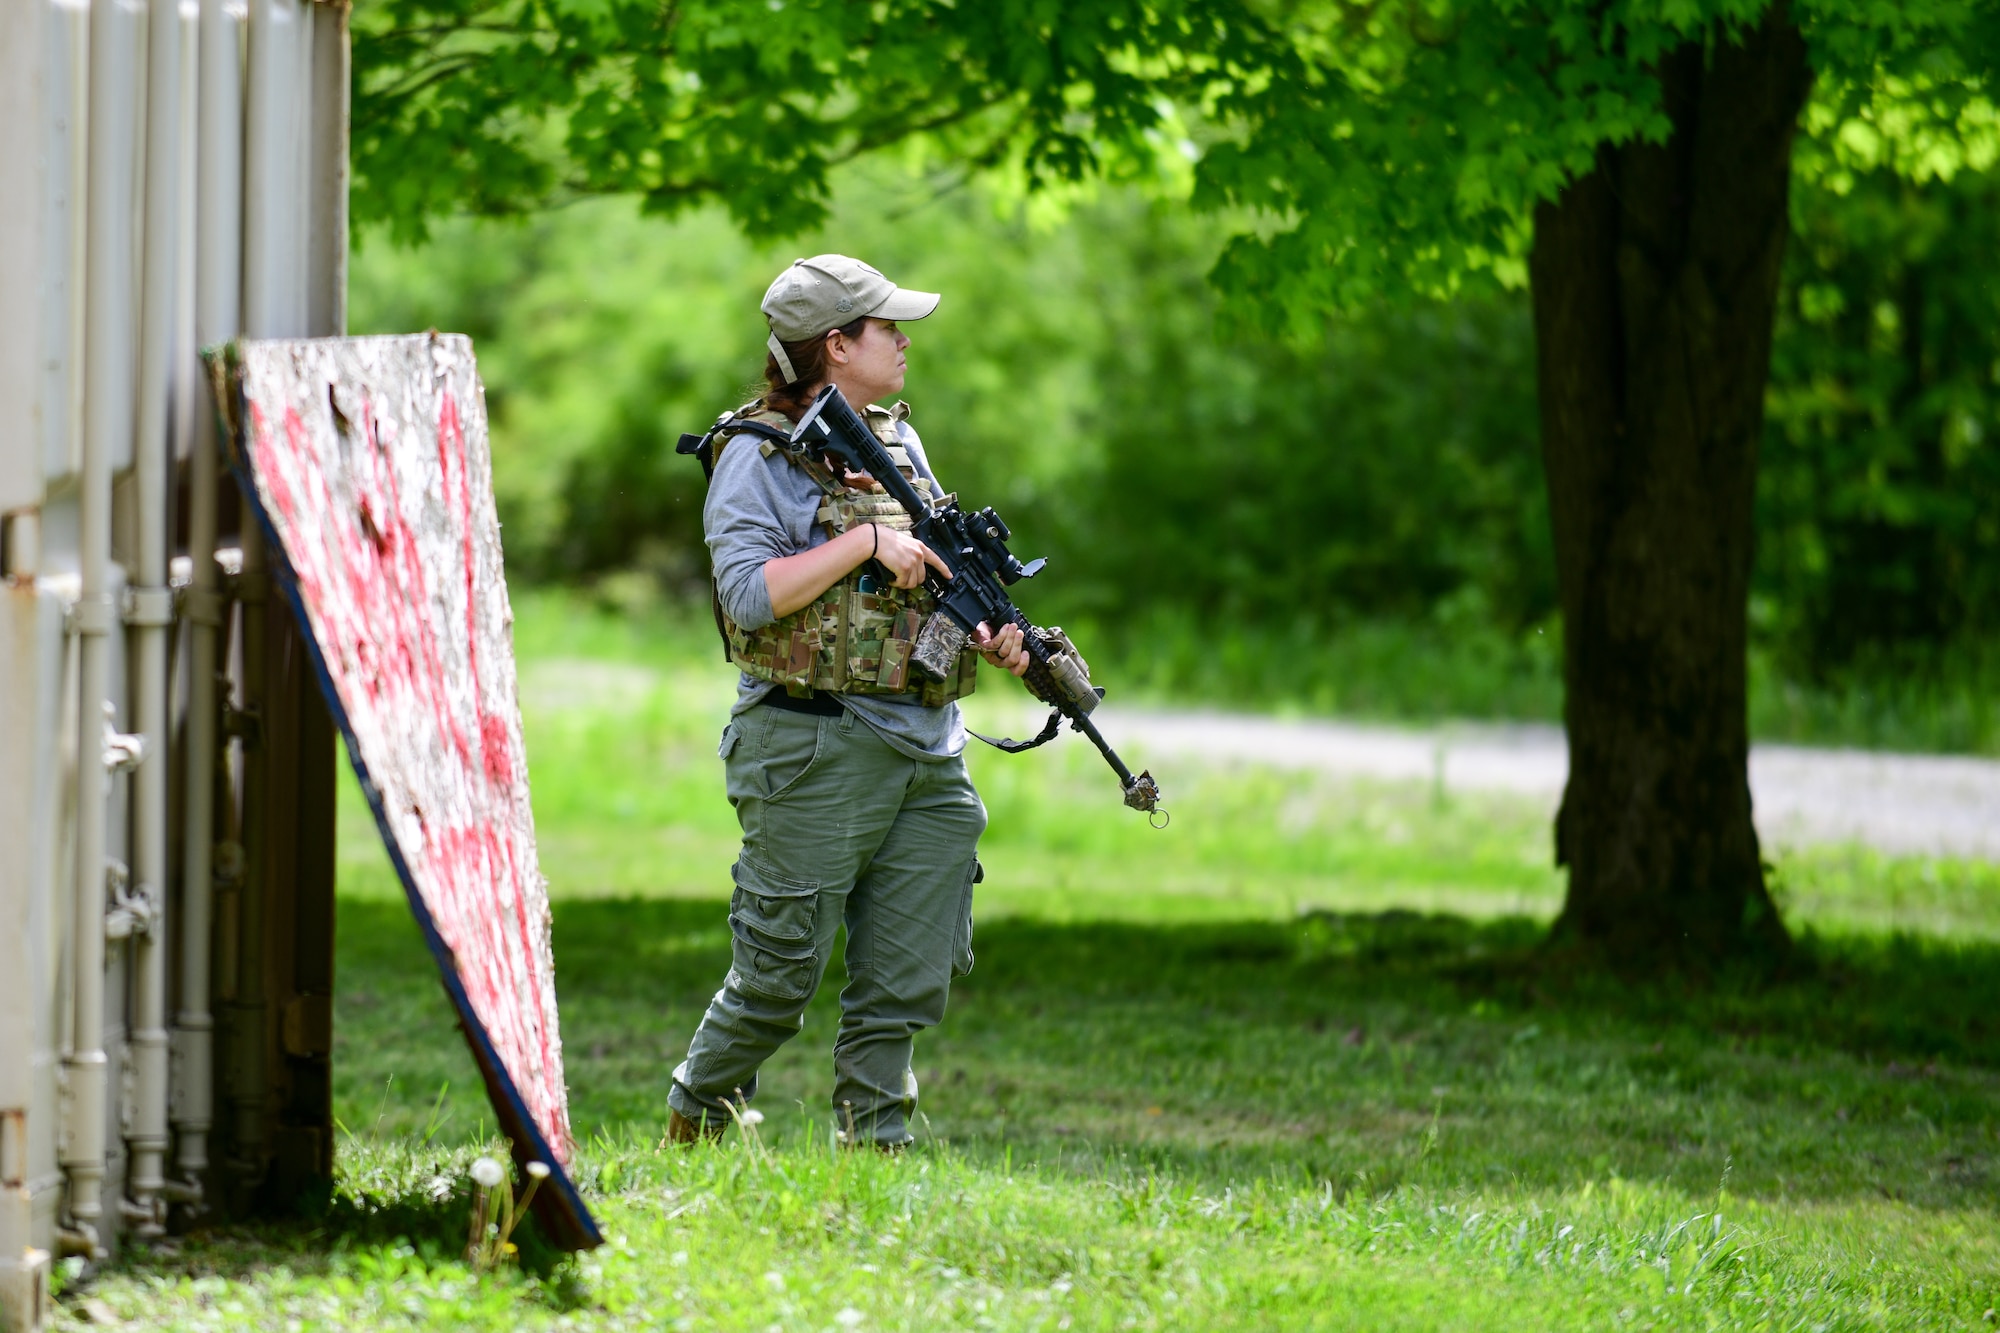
<point x="974" y="547"/>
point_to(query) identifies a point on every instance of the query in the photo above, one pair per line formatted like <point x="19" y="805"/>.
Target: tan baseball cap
<point x="827" y="291"/>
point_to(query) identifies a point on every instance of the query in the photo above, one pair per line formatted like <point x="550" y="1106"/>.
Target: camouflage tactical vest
<point x="857" y="636"/>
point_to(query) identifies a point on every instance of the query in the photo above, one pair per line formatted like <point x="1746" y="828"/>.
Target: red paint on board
<point x="495" y="741"/>
<point x="397" y="562"/>
<point x="494" y="745"/>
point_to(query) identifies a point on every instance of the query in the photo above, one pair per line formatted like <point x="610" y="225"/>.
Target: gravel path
<point x="1925" y="804"/>
<point x="1920" y="804"/>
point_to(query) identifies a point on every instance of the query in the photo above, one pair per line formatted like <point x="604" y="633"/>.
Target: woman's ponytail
<point x="809" y="367"/>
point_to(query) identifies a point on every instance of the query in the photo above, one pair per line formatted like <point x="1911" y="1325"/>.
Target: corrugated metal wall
<point x="173" y="175"/>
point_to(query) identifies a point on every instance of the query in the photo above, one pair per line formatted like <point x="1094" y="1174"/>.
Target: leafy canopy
<point x="1367" y="148"/>
<point x="505" y="106"/>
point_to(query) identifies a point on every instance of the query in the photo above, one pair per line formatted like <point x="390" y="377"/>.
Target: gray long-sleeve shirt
<point x="761" y="509"/>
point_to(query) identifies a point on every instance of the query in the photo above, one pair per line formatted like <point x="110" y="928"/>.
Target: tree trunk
<point x="1655" y="284"/>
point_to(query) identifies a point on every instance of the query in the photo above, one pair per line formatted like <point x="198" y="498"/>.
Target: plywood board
<point x="366" y="462"/>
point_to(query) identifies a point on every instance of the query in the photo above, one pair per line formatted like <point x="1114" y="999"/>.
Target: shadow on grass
<point x="403" y="1216"/>
<point x="1880" y="998"/>
<point x="1363" y="1050"/>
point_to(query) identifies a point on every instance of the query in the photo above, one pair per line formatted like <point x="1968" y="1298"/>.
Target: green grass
<point x="1282" y="1065"/>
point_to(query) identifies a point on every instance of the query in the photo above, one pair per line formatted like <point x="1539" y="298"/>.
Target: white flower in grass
<point x="487" y="1172"/>
<point x="849" y="1317"/>
<point x="538" y="1170"/>
<point x="750" y="1117"/>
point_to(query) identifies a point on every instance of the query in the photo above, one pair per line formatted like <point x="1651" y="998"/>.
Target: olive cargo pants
<point x="837" y="828"/>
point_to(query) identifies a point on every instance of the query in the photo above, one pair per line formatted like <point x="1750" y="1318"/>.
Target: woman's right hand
<point x="905" y="557"/>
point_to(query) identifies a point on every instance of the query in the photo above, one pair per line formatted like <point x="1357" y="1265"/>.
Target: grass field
<point x="1283" y="1065"/>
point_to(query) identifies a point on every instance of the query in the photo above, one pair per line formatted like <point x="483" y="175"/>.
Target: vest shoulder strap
<point x="771" y="428"/>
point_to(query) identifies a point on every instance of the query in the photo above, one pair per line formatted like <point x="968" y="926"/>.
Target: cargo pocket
<point x="771" y="921"/>
<point x="961" y="948"/>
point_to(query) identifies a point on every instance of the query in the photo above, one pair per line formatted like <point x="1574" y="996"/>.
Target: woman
<point x="844" y="764"/>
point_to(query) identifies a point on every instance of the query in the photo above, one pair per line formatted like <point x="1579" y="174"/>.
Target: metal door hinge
<point x="244" y="724"/>
<point x="14" y="1148"/>
<point x="123" y="750"/>
<point x="90" y="615"/>
<point x="133" y="910"/>
<point x="149" y="606"/>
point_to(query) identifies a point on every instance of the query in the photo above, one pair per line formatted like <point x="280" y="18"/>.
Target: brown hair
<point x="808" y="358"/>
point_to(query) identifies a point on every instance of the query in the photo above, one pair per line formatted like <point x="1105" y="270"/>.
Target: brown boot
<point x="686" y="1133"/>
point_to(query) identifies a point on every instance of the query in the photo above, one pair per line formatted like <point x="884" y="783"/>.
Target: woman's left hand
<point x="1004" y="650"/>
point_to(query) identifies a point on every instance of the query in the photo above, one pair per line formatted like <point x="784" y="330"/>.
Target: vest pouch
<point x="895" y="673"/>
<point x="897" y="650"/>
<point x="796" y="672"/>
<point x="880" y="627"/>
<point x="783" y="653"/>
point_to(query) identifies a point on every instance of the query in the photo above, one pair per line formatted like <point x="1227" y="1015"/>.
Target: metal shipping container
<point x="173" y="175"/>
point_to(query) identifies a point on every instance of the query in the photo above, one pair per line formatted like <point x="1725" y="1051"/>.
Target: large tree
<point x="1630" y="162"/>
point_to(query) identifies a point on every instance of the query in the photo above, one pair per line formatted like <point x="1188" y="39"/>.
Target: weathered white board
<point x="366" y="461"/>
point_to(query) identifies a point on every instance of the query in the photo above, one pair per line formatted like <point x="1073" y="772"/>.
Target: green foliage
<point x="601" y="336"/>
<point x="1881" y="485"/>
<point x="1389" y="147"/>
<point x="1404" y="147"/>
<point x="1888" y="698"/>
<point x="1071" y="377"/>
<point x="503" y="106"/>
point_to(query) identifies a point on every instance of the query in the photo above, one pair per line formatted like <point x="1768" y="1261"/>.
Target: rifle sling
<point x="1049" y="730"/>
